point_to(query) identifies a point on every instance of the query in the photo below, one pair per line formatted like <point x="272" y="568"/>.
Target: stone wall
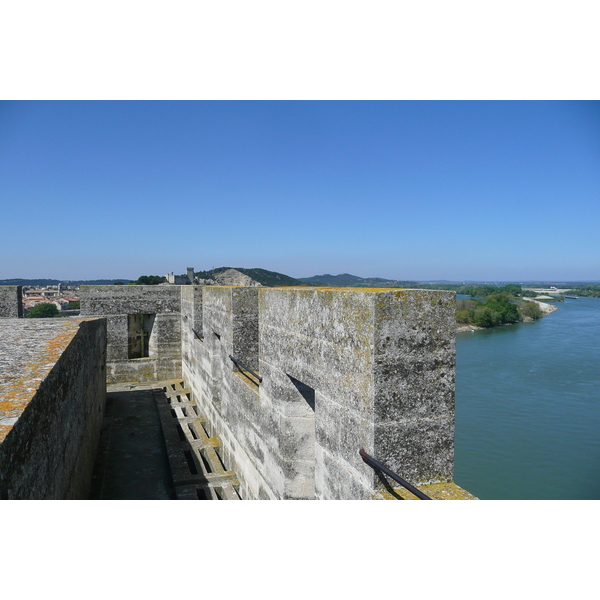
<point x="11" y="303"/>
<point x="341" y="370"/>
<point x="52" y="398"/>
<point x="243" y="420"/>
<point x="162" y="304"/>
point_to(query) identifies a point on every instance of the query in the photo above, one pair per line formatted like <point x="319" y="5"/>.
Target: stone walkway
<point x="132" y="461"/>
<point x="154" y="445"/>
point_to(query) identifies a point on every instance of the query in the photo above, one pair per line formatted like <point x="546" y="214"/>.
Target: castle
<point x="293" y="381"/>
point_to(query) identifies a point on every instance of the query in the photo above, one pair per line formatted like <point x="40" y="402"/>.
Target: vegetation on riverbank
<point x="591" y="289"/>
<point x="494" y="310"/>
<point x="476" y="291"/>
<point x="491" y="306"/>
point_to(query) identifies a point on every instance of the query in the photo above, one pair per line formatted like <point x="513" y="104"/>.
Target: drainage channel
<point x="196" y="467"/>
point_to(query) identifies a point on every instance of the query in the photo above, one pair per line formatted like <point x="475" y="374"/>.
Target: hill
<point x="264" y="277"/>
<point x="347" y="280"/>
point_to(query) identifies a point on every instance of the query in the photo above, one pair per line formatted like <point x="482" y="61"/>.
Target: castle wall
<point x="338" y="369"/>
<point x="244" y="421"/>
<point x="52" y="398"/>
<point x="11" y="303"/>
<point x="162" y="306"/>
<point x="341" y="370"/>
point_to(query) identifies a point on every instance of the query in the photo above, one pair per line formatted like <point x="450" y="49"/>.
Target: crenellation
<point x="11" y="301"/>
<point x="244" y="309"/>
<point x="378" y="367"/>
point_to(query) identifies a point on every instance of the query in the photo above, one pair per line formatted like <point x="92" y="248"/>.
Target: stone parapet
<point x="52" y="398"/>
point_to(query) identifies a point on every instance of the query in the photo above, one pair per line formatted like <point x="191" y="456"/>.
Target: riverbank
<point x="543" y="306"/>
<point x="466" y="327"/>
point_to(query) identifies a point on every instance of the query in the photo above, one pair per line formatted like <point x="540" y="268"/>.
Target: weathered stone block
<point x="420" y="451"/>
<point x="297" y="439"/>
<point x="129" y="299"/>
<point x="11" y="303"/>
<point x="414" y="369"/>
<point x="334" y="482"/>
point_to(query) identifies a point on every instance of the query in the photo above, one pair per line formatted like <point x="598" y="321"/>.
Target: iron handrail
<point x="240" y="364"/>
<point x="377" y="465"/>
<point x="201" y="338"/>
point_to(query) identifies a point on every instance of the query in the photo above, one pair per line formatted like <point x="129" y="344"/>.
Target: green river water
<point x="528" y="407"/>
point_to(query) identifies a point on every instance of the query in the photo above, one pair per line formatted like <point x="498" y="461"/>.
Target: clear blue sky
<point x="402" y="190"/>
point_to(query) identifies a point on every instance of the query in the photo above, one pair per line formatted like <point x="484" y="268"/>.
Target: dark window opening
<point x="139" y="330"/>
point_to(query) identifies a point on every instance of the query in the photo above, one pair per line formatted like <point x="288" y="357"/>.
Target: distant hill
<point x="264" y="277"/>
<point x="45" y="282"/>
<point x="347" y="280"/>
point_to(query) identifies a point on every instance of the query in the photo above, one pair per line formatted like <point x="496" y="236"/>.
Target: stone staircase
<point x="196" y="467"/>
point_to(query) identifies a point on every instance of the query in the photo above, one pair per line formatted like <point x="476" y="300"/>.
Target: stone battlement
<point x="339" y="369"/>
<point x="293" y="380"/>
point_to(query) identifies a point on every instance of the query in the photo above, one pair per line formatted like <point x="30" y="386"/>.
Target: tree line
<point x="590" y="289"/>
<point x="494" y="310"/>
<point x="145" y="280"/>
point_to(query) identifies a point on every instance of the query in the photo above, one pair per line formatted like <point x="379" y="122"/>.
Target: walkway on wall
<point x="154" y="445"/>
<point x="201" y="475"/>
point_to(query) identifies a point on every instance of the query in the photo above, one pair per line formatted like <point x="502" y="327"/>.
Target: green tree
<point x="150" y="280"/>
<point x="506" y="311"/>
<point x="484" y="318"/>
<point x="463" y="316"/>
<point x="43" y="311"/>
<point x="530" y="309"/>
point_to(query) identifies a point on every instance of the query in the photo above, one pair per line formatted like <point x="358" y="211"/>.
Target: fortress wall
<point x="342" y="369"/>
<point x="120" y="303"/>
<point x="11" y="304"/>
<point x="231" y="401"/>
<point x="52" y="398"/>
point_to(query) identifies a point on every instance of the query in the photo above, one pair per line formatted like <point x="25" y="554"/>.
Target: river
<point x="528" y="407"/>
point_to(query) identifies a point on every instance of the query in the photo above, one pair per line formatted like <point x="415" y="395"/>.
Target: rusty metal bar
<point x="377" y="465"/>
<point x="239" y="364"/>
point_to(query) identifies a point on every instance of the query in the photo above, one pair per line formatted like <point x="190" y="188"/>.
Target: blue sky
<point x="397" y="189"/>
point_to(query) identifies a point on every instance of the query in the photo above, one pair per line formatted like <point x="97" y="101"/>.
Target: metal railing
<point x="240" y="364"/>
<point x="375" y="464"/>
